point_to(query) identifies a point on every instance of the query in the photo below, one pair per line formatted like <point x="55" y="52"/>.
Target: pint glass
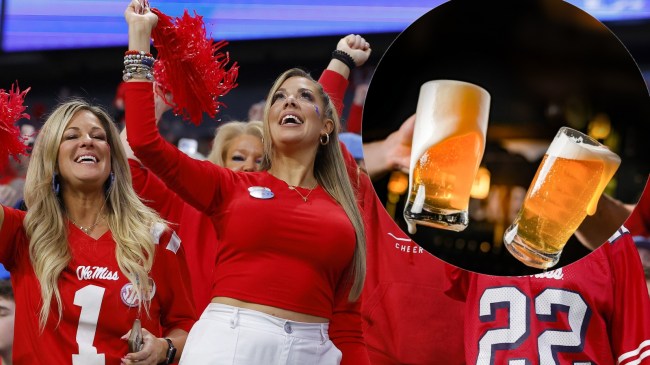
<point x="569" y="181"/>
<point x="448" y="144"/>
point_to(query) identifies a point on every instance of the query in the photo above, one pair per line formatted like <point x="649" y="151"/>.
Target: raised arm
<point x="195" y="182"/>
<point x="148" y="186"/>
<point x="12" y="240"/>
<point x="335" y="78"/>
<point x="392" y="153"/>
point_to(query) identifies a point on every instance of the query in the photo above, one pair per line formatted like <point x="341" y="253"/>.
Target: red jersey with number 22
<point x="594" y="311"/>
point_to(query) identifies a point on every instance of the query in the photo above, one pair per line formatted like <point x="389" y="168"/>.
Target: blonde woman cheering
<point x="89" y="258"/>
<point x="291" y="261"/>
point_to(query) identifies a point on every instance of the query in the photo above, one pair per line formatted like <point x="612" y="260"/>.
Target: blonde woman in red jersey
<point x="287" y="284"/>
<point x="89" y="257"/>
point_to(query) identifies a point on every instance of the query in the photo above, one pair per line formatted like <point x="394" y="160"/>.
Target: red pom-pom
<point x="190" y="67"/>
<point x="11" y="110"/>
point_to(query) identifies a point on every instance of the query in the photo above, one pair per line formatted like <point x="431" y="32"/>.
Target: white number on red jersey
<point x="89" y="298"/>
<point x="547" y="304"/>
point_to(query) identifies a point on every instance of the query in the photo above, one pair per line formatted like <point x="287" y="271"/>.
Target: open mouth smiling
<point x="86" y="159"/>
<point x="291" y="119"/>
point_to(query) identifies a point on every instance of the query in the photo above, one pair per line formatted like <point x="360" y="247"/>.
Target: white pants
<point x="227" y="335"/>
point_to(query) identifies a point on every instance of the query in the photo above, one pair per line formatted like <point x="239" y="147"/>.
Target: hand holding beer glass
<point x="448" y="144"/>
<point x="569" y="181"/>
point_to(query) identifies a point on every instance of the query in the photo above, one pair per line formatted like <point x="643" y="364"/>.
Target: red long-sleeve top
<point x="282" y="252"/>
<point x="194" y="228"/>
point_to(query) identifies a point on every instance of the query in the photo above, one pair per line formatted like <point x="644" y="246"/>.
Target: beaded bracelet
<point x="137" y="72"/>
<point x="137" y="65"/>
<point x="344" y="57"/>
<point x="134" y="52"/>
<point x="128" y="75"/>
<point x="129" y="60"/>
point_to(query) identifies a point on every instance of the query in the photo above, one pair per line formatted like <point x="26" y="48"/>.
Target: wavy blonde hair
<point x="226" y="133"/>
<point x="330" y="172"/>
<point x="129" y="220"/>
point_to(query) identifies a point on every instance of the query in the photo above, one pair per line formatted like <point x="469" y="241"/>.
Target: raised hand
<point x="141" y="22"/>
<point x="392" y="153"/>
<point x="357" y="47"/>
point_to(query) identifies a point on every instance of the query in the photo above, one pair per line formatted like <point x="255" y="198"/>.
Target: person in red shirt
<point x="236" y="146"/>
<point x="286" y="284"/>
<point x="593" y="311"/>
<point x="89" y="258"/>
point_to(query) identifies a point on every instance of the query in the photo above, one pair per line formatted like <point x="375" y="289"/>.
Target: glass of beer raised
<point x="448" y="144"/>
<point x="569" y="181"/>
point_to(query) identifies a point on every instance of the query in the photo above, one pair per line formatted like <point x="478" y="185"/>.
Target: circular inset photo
<point x="511" y="135"/>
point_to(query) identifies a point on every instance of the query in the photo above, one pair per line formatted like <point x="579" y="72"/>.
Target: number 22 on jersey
<point x="546" y="304"/>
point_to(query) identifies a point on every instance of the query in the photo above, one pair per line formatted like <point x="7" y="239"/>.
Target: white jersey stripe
<point x="635" y="353"/>
<point x="638" y="361"/>
<point x="621" y="231"/>
<point x="174" y="243"/>
<point x="398" y="238"/>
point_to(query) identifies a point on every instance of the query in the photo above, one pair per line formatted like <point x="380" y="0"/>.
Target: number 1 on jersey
<point x="89" y="298"/>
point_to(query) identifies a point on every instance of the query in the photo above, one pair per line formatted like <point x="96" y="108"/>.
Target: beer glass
<point x="569" y="181"/>
<point x="448" y="143"/>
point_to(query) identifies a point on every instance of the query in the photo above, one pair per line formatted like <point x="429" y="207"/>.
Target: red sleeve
<point x="200" y="183"/>
<point x="334" y="85"/>
<point x="630" y="323"/>
<point x="177" y="307"/>
<point x="639" y="221"/>
<point x="354" y="119"/>
<point x="345" y="328"/>
<point x="346" y="324"/>
<point x="353" y="171"/>
<point x="155" y="194"/>
<point x="12" y="228"/>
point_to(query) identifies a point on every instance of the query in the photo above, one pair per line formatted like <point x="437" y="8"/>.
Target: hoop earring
<point x="56" y="184"/>
<point x="327" y="139"/>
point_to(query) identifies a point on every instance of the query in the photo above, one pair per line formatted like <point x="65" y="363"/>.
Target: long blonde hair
<point x="330" y="171"/>
<point x="129" y="220"/>
<point x="226" y="133"/>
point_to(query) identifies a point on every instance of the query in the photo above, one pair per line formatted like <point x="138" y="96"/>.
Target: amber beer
<point x="448" y="144"/>
<point x="573" y="174"/>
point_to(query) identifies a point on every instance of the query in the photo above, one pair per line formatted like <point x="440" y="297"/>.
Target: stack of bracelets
<point x="137" y="65"/>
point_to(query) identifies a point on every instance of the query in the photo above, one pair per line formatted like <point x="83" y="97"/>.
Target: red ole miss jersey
<point x="99" y="303"/>
<point x="594" y="311"/>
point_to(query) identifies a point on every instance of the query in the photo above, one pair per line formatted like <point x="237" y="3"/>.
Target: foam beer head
<point x="450" y="114"/>
<point x="567" y="186"/>
<point x="447" y="108"/>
